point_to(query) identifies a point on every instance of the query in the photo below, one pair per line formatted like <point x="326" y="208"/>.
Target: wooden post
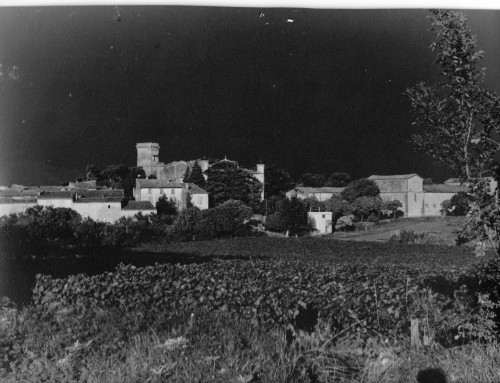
<point x="415" y="334"/>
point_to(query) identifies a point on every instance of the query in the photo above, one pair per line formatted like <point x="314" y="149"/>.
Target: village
<point x="100" y="203"/>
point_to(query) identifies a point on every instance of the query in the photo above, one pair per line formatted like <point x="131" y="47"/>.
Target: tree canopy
<point x="226" y="181"/>
<point x="277" y="181"/>
<point x="360" y="188"/>
<point x="457" y="121"/>
<point x="339" y="180"/>
<point x="196" y="176"/>
<point x="312" y="180"/>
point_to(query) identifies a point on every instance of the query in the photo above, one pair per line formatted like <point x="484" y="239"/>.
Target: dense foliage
<point x="277" y="181"/>
<point x="339" y="180"/>
<point x="165" y="206"/>
<point x="196" y="176"/>
<point x="460" y="204"/>
<point x="360" y="188"/>
<point x="226" y="181"/>
<point x="115" y="176"/>
<point x="290" y="216"/>
<point x="312" y="180"/>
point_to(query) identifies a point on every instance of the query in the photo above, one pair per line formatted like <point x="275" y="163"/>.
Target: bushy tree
<point x="339" y="180"/>
<point x="338" y="207"/>
<point x="458" y="120"/>
<point x="312" y="180"/>
<point x="360" y="188"/>
<point x="196" y="177"/>
<point x="392" y="206"/>
<point x="277" y="181"/>
<point x="226" y="181"/>
<point x="367" y="207"/>
<point x="293" y="214"/>
<point x="47" y="222"/>
<point x="224" y="220"/>
<point x="186" y="221"/>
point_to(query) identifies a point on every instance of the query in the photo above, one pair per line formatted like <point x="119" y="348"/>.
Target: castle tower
<point x="148" y="157"/>
<point x="259" y="174"/>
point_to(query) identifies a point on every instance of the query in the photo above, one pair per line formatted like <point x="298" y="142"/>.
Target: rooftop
<point x="393" y="177"/>
<point x="325" y="189"/>
<point x="139" y="205"/>
<point x="154" y="184"/>
<point x="444" y="188"/>
<point x="99" y="200"/>
<point x="195" y="189"/>
<point x="57" y="195"/>
<point x="115" y="193"/>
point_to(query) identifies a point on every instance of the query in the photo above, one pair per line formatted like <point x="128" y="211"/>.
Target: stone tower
<point x="147" y="157"/>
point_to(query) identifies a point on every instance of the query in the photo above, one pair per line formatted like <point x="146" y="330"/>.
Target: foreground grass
<point x="220" y="348"/>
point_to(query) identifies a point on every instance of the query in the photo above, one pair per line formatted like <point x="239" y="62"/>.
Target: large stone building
<point x="418" y="199"/>
<point x="148" y="158"/>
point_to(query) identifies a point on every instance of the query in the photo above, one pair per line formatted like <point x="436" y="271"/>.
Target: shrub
<point x="185" y="223"/>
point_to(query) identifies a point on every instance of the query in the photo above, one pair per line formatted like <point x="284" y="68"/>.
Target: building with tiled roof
<point x="135" y="207"/>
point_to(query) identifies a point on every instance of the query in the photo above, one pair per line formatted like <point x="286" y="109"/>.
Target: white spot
<point x="290" y="21"/>
<point x="262" y="15"/>
<point x="70" y="95"/>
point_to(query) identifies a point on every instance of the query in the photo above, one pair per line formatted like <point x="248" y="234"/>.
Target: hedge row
<point x="354" y="299"/>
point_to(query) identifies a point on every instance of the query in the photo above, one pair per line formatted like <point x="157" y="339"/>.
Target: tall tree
<point x="312" y="180"/>
<point x="277" y="181"/>
<point x="196" y="177"/>
<point x="339" y="180"/>
<point x="186" y="178"/>
<point x="225" y="181"/>
<point x="458" y="120"/>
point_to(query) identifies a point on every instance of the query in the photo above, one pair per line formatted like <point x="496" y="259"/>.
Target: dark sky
<point x="321" y="94"/>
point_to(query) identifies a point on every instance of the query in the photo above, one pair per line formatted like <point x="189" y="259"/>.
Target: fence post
<point x="415" y="334"/>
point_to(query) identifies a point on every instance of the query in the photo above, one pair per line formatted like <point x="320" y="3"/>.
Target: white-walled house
<point x="14" y="206"/>
<point x="180" y="193"/>
<point x="57" y="199"/>
<point x="320" y="221"/>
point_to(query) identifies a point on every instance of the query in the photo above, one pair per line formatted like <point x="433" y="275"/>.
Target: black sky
<point x="322" y="93"/>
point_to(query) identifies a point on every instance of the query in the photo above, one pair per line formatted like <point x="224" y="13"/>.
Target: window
<point x="172" y="191"/>
<point x="199" y="200"/>
<point x="150" y="191"/>
<point x="162" y="191"/>
<point x="109" y="206"/>
<point x="323" y="216"/>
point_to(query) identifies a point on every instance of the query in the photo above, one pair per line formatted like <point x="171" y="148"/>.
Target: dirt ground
<point x="443" y="227"/>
